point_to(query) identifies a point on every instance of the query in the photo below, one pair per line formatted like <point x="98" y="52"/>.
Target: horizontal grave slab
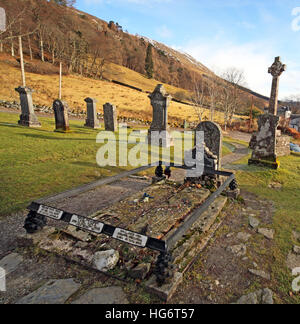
<point x="145" y="220"/>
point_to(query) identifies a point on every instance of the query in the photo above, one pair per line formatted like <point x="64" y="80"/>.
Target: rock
<point x="268" y="233"/>
<point x="78" y="234"/>
<point x="267" y="297"/>
<point x="275" y="185"/>
<point x="296" y="249"/>
<point x="140" y="272"/>
<point x="81" y="245"/>
<point x="253" y="222"/>
<point x="243" y="236"/>
<point x="239" y="250"/>
<point x="53" y="292"/>
<point x="229" y="235"/>
<point x="106" y="260"/>
<point x="250" y="299"/>
<point x="260" y="274"/>
<point x="263" y="297"/>
<point x="103" y="296"/>
<point x="293" y="261"/>
<point x="11" y="262"/>
<point x="296" y="236"/>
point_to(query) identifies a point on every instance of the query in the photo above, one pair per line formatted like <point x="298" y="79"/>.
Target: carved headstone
<point x="92" y="120"/>
<point x="110" y="117"/>
<point x="275" y="70"/>
<point x="160" y="101"/>
<point x="213" y="138"/>
<point x="61" y="116"/>
<point x="27" y="117"/>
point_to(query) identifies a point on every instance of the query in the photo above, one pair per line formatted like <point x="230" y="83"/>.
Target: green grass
<point x="38" y="162"/>
<point x="287" y="215"/>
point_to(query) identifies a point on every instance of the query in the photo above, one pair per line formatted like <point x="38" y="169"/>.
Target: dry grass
<point x="130" y="103"/>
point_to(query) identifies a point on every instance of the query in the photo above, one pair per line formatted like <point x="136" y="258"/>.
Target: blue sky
<point x="246" y="34"/>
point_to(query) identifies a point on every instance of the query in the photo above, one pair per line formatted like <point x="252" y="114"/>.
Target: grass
<point x="38" y="162"/>
<point x="287" y="215"/>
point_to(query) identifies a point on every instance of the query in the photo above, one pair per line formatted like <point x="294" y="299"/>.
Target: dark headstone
<point x="92" y="120"/>
<point x="61" y="116"/>
<point x="27" y="117"/>
<point x="160" y="102"/>
<point x="110" y="117"/>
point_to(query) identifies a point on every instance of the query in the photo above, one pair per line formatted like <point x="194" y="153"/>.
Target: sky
<point x="246" y="34"/>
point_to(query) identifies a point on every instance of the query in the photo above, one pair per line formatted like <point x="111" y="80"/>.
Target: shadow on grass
<point x="86" y="164"/>
<point x="57" y="138"/>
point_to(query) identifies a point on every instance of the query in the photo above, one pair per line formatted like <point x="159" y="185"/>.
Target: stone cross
<point x="27" y="117"/>
<point x="213" y="139"/>
<point x="61" y="116"/>
<point x="275" y="70"/>
<point x="92" y="120"/>
<point x="110" y="117"/>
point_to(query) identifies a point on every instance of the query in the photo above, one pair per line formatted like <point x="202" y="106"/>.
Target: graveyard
<point x="129" y="190"/>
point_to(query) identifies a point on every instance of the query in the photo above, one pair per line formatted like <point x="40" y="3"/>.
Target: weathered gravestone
<point x="110" y="117"/>
<point x="213" y="139"/>
<point x="27" y="117"/>
<point x="268" y="143"/>
<point x="92" y="120"/>
<point x="61" y="116"/>
<point x="158" y="133"/>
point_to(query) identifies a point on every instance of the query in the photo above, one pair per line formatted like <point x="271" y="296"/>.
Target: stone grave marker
<point x="92" y="120"/>
<point x="160" y="102"/>
<point x="213" y="138"/>
<point x="110" y="117"/>
<point x="268" y="143"/>
<point x="27" y="117"/>
<point x="61" y="116"/>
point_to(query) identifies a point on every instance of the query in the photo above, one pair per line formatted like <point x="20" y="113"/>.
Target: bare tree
<point x="230" y="94"/>
<point x="213" y="89"/>
<point x="199" y="96"/>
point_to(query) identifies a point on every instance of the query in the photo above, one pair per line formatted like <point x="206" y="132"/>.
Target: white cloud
<point x="253" y="58"/>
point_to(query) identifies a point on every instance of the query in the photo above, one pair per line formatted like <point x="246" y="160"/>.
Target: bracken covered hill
<point x="78" y="38"/>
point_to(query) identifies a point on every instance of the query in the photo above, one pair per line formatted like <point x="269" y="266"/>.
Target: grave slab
<point x="53" y="292"/>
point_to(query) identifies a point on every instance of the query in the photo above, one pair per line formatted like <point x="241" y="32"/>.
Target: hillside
<point x="94" y="48"/>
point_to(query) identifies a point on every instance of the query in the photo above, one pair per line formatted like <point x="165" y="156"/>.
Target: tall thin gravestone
<point x="264" y="142"/>
<point x="110" y="117"/>
<point x="27" y="117"/>
<point x="160" y="101"/>
<point x="61" y="116"/>
<point x="92" y="120"/>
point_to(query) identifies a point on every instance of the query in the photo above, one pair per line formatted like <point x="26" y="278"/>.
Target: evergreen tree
<point x="149" y="66"/>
